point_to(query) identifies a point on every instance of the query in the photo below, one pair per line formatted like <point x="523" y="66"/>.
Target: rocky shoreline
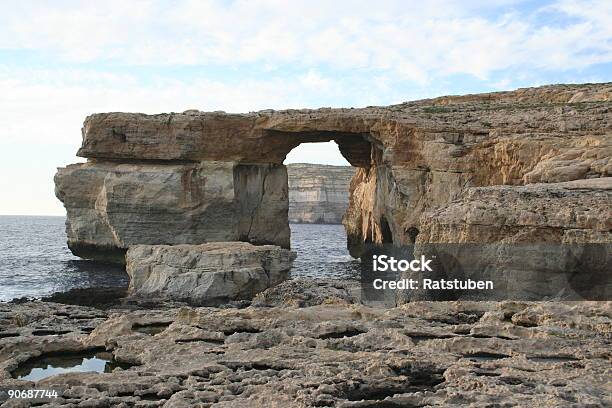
<point x="311" y="343"/>
<point x="513" y="186"/>
<point x="196" y="205"/>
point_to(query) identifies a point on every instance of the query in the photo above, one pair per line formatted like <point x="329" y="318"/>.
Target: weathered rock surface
<point x="318" y="193"/>
<point x="421" y="354"/>
<point x="569" y="212"/>
<point x="302" y="292"/>
<point x="207" y="274"/>
<point x="111" y="206"/>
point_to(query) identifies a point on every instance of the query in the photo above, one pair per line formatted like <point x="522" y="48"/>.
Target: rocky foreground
<point x="309" y="343"/>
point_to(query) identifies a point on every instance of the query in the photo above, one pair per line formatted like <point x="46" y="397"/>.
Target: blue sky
<point x="62" y="60"/>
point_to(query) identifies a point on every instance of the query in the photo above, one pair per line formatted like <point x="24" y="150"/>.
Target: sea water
<point x="35" y="261"/>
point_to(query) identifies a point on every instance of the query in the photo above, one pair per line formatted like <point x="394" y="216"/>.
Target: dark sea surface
<point x="322" y="252"/>
<point x="35" y="261"/>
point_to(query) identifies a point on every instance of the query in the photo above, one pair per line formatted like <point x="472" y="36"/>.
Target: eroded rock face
<point x="570" y="212"/>
<point x="412" y="158"/>
<point x="111" y="206"/>
<point x="318" y="194"/>
<point x="207" y="274"/>
<point x="420" y="354"/>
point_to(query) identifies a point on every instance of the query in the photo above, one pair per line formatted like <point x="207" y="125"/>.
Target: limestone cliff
<point x="318" y="193"/>
<point x="149" y="179"/>
<point x="570" y="212"/>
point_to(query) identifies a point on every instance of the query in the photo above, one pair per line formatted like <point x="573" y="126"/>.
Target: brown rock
<point x="112" y="206"/>
<point x="572" y="212"/>
<point x="539" y="241"/>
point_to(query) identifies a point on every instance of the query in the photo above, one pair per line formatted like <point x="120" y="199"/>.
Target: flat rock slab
<point x="206" y="274"/>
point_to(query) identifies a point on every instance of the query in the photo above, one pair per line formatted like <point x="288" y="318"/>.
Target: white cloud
<point x="502" y="84"/>
<point x="415" y="40"/>
<point x="314" y="80"/>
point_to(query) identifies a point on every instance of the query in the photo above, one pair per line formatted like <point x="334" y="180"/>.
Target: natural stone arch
<point x="211" y="176"/>
<point x="164" y="179"/>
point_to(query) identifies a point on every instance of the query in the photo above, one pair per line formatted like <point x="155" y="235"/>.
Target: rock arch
<point x="196" y="176"/>
<point x="190" y="177"/>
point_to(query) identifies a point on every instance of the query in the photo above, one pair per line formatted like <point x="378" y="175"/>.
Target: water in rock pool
<point x="37" y="369"/>
<point x="35" y="261"/>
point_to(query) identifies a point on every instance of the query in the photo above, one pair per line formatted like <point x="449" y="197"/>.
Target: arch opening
<point x="319" y="178"/>
<point x="324" y="153"/>
<point x="319" y="181"/>
<point x="356" y="147"/>
<point x="365" y="218"/>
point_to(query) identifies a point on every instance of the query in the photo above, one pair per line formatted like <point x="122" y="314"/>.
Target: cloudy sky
<point x="62" y="60"/>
